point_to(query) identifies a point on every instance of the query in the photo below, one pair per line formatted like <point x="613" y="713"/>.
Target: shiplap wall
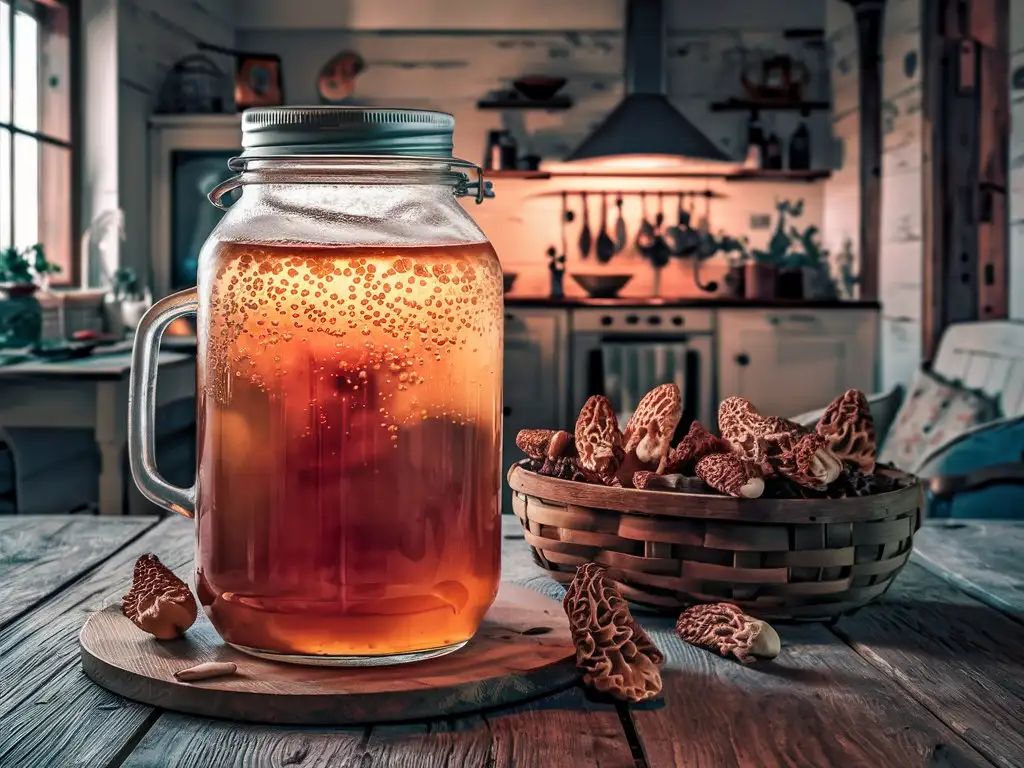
<point x="448" y="55"/>
<point x="901" y="251"/>
<point x="152" y="36"/>
<point x="1017" y="159"/>
<point x="902" y="254"/>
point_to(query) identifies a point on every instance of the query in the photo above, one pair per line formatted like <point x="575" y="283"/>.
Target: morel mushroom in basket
<point x="755" y="455"/>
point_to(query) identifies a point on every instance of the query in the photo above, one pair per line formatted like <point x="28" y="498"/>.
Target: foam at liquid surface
<point x="350" y="446"/>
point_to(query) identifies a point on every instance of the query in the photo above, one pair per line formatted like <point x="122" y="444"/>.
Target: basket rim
<point x="704" y="506"/>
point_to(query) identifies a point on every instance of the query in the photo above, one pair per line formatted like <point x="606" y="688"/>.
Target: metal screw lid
<point x="346" y="131"/>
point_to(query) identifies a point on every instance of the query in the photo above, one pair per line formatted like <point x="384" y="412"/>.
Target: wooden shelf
<point x="516" y="174"/>
<point x="741" y="175"/>
<point x="517" y="102"/>
<point x="755" y="105"/>
<point x="779" y="176"/>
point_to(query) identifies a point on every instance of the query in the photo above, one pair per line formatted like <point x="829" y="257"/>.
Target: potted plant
<point x="21" y="314"/>
<point x="127" y="301"/>
<point x="811" y="261"/>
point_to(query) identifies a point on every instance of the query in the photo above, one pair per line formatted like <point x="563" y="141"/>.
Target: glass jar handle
<point x="142" y="404"/>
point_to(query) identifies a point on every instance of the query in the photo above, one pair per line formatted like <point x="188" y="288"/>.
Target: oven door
<point x="624" y="367"/>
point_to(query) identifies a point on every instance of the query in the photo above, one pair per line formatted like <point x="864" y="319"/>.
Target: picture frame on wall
<point x="258" y="81"/>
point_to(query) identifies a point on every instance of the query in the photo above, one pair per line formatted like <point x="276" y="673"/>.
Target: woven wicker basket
<point x="781" y="559"/>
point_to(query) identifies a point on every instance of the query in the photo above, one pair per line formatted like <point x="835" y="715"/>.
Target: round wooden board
<point x="498" y="667"/>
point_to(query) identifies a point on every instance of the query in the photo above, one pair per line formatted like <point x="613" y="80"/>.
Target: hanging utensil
<point x="620" y="227"/>
<point x="644" y="235"/>
<point x="659" y="251"/>
<point x="674" y="234"/>
<point x="690" y="241"/>
<point x="586" y="239"/>
<point x="605" y="245"/>
<point x="707" y="241"/>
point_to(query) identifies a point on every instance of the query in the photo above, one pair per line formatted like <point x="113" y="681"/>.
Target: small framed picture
<point x="258" y="81"/>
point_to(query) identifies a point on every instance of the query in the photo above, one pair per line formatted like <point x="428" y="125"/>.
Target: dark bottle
<point x="501" y="153"/>
<point x="492" y="155"/>
<point x="800" y="149"/>
<point x="773" y="153"/>
<point x="755" y="143"/>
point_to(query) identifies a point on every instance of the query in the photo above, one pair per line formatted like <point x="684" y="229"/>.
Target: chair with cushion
<point x="960" y="424"/>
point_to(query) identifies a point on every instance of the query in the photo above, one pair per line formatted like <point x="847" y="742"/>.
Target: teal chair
<point x="978" y="474"/>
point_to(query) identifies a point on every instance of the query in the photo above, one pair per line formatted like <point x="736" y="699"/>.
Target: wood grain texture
<point x="983" y="559"/>
<point x="40" y="554"/>
<point x="51" y="715"/>
<point x="504" y="663"/>
<point x="561" y="730"/>
<point x="956" y="656"/>
<point x="817" y="704"/>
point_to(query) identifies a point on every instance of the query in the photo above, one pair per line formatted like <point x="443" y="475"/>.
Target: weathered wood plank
<point x="561" y="730"/>
<point x="40" y="554"/>
<point x="817" y="704"/>
<point x="983" y="559"/>
<point x="959" y="658"/>
<point x="50" y="714"/>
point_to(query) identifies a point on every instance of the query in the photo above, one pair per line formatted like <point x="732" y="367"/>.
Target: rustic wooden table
<point x="932" y="675"/>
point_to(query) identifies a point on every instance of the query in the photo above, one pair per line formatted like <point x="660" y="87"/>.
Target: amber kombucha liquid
<point x="349" y="467"/>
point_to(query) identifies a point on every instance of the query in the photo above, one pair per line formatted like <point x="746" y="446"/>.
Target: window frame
<point x="68" y="277"/>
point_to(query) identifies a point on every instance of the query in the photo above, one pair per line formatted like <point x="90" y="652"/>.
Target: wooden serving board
<point x="500" y="666"/>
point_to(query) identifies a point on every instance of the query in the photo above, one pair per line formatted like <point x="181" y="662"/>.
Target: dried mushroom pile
<point x="755" y="456"/>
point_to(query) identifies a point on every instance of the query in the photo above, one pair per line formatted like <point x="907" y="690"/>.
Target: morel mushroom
<point x="728" y="473"/>
<point x="598" y="439"/>
<point x="616" y="655"/>
<point x="777" y="446"/>
<point x="723" y="627"/>
<point x="697" y="444"/>
<point x="650" y="428"/>
<point x="544" y="443"/>
<point x="159" y="602"/>
<point x="849" y="430"/>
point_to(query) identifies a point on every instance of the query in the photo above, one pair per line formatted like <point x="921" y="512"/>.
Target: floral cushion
<point x="933" y="413"/>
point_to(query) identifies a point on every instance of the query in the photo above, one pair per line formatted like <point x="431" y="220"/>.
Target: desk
<point x="92" y="393"/>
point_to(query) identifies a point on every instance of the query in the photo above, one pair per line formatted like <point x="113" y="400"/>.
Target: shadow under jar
<point x="350" y="321"/>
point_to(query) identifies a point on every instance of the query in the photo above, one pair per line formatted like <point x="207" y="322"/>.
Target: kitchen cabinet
<point x="790" y="361"/>
<point x="535" y="379"/>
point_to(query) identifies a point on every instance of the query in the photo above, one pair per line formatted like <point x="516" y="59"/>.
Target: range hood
<point x="645" y="123"/>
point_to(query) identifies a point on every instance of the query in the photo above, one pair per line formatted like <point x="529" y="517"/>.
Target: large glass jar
<point x="348" y="393"/>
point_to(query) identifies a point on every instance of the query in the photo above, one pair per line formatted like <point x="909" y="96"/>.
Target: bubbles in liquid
<point x="367" y="384"/>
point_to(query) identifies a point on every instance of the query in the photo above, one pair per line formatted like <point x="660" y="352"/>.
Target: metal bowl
<point x="601" y="286"/>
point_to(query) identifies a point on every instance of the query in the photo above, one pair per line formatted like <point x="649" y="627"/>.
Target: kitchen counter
<point x="625" y="302"/>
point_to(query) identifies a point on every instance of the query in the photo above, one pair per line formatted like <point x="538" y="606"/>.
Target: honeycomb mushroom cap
<point x="616" y="655"/>
<point x="159" y="602"/>
<point x="544" y="443"/>
<point x="849" y="430"/>
<point x="724" y="628"/>
<point x="697" y="443"/>
<point x="598" y="439"/>
<point x="777" y="446"/>
<point x="649" y="430"/>
<point x="728" y="473"/>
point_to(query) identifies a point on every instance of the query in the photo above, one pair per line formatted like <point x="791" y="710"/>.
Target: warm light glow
<point x="624" y="164"/>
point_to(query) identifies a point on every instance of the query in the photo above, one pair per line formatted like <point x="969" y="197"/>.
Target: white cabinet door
<point x="535" y="385"/>
<point x="789" y="361"/>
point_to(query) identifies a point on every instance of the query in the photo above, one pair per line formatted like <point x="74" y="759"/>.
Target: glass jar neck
<point x="389" y="170"/>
